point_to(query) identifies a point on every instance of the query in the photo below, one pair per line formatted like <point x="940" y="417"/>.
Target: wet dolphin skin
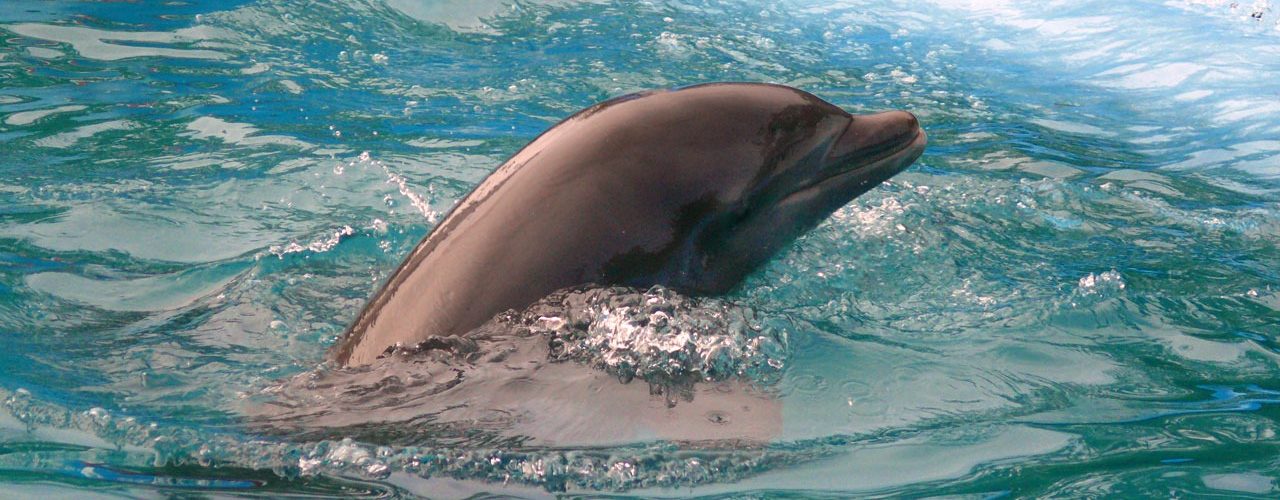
<point x="692" y="188"/>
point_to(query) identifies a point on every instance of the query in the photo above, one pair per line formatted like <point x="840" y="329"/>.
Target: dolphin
<point x="692" y="188"/>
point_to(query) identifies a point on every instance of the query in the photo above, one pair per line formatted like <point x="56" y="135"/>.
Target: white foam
<point x="1093" y="284"/>
<point x="319" y="245"/>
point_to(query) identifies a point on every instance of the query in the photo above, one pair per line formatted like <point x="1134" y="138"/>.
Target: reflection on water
<point x="1073" y="293"/>
<point x="107" y="45"/>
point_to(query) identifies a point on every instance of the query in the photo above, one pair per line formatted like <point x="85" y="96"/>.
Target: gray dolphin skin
<point x="692" y="188"/>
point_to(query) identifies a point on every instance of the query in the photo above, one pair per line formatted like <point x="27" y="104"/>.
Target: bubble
<point x="1093" y="284"/>
<point x="657" y="335"/>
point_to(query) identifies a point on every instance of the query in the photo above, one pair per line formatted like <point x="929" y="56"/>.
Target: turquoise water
<point x="1076" y="291"/>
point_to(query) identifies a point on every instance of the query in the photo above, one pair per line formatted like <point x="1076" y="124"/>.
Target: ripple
<point x="93" y="43"/>
<point x="154" y="293"/>
<point x="1141" y="76"/>
<point x="1247" y="482"/>
<point x="207" y="127"/>
<point x="29" y="117"/>
<point x="70" y="138"/>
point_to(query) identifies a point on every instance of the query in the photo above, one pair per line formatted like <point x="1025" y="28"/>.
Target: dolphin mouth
<point x="871" y="142"/>
<point x="889" y="161"/>
<point x="867" y="159"/>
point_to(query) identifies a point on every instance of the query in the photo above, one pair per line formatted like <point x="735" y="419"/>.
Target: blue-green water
<point x="1075" y="292"/>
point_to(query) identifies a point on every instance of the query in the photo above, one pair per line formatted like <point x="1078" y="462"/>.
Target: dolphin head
<point x="795" y="160"/>
<point x="692" y="189"/>
<point x="869" y="150"/>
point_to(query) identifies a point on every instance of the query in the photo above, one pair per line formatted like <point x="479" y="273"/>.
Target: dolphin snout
<point x="875" y="136"/>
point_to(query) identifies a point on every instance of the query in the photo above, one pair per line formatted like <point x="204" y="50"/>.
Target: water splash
<point x="320" y="245"/>
<point x="658" y="335"/>
<point x="1095" y="284"/>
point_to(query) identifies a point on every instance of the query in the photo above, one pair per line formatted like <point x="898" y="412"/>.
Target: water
<point x="1076" y="291"/>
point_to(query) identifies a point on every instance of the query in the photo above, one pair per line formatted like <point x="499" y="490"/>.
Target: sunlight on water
<point x="1075" y="292"/>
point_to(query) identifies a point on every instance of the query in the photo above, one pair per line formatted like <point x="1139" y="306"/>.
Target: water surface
<point x="1076" y="291"/>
